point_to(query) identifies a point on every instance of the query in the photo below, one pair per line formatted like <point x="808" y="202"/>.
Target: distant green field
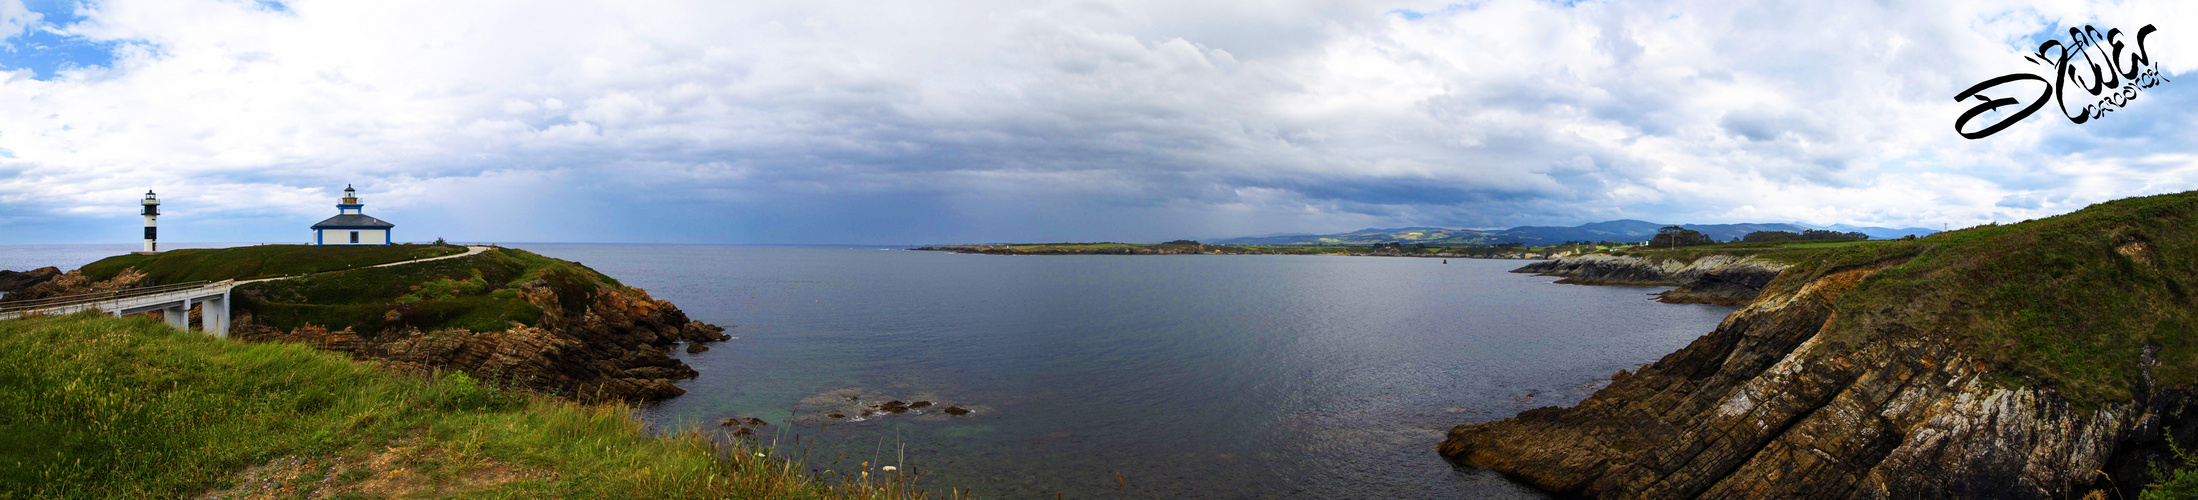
<point x="261" y="261"/>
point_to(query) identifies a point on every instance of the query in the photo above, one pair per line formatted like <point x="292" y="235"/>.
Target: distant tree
<point x="1675" y="236"/>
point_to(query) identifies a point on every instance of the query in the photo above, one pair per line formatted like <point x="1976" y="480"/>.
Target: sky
<point x="834" y="122"/>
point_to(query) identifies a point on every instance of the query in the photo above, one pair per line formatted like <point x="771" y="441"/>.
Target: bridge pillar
<point x="179" y="315"/>
<point x="214" y="315"/>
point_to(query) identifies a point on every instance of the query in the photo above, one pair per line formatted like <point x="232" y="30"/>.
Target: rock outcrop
<point x="15" y="281"/>
<point x="613" y="347"/>
<point x="1713" y="279"/>
<point x="49" y="282"/>
<point x="1787" y="399"/>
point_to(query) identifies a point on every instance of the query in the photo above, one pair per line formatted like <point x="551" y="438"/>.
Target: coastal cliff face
<point x="48" y="282"/>
<point x="1713" y="279"/>
<point x="612" y="349"/>
<point x="506" y="315"/>
<point x="2047" y="359"/>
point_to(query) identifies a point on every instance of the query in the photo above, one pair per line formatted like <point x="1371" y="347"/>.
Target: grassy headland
<point x="2067" y="302"/>
<point x="93" y="406"/>
<point x="261" y="261"/>
<point x="477" y="293"/>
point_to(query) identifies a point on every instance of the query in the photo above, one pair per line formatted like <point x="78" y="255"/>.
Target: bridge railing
<point x="69" y="300"/>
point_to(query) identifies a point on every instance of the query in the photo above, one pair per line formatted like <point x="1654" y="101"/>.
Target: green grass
<point x="477" y="293"/>
<point x="2049" y="302"/>
<point x="94" y="406"/>
<point x="215" y="264"/>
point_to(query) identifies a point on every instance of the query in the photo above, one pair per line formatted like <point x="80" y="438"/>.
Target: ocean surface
<point x="1127" y="376"/>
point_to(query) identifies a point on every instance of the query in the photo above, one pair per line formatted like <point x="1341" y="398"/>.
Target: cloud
<point x="995" y="120"/>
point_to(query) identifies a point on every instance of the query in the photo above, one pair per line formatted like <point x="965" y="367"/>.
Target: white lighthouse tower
<point x="152" y="220"/>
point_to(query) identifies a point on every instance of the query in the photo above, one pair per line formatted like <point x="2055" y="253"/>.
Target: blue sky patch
<point x="46" y="51"/>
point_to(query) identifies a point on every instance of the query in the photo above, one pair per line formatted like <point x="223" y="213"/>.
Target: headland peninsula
<point x="2051" y="358"/>
<point x="368" y="372"/>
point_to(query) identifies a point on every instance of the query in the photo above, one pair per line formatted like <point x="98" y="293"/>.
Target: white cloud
<point x="1116" y="120"/>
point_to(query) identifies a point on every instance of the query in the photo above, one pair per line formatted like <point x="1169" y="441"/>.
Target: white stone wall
<point x="343" y="236"/>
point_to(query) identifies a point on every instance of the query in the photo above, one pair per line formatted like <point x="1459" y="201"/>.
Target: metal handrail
<point x="67" y="300"/>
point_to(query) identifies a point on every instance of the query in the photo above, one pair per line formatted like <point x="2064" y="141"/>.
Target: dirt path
<point x="470" y="251"/>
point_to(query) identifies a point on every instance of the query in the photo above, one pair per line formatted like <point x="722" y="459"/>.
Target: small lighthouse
<point x="152" y="222"/>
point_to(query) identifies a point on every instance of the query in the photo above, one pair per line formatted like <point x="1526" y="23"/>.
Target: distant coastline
<point x="1393" y="250"/>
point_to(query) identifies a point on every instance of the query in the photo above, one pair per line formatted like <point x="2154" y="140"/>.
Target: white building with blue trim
<point x="351" y="226"/>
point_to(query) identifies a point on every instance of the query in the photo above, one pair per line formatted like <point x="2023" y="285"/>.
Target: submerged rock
<point x="956" y="410"/>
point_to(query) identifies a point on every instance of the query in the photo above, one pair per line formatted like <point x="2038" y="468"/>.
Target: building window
<point x="354" y="236"/>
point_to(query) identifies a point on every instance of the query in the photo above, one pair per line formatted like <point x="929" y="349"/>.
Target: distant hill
<point x="1623" y="230"/>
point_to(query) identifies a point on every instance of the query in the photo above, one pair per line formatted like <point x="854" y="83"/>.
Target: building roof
<point x="352" y="221"/>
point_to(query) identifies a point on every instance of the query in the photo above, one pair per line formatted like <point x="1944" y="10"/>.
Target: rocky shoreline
<point x="1790" y="398"/>
<point x="616" y="348"/>
<point x="1714" y="279"/>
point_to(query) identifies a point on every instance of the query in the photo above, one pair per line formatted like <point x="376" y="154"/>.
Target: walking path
<point x="470" y="251"/>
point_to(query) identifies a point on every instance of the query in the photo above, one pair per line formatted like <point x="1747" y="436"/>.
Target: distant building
<point x="350" y="226"/>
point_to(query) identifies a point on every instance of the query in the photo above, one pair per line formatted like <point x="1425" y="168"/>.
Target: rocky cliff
<point x="2040" y="360"/>
<point x="614" y="349"/>
<point x="506" y="315"/>
<point x="48" y="282"/>
<point x="1712" y="279"/>
<point x="13" y="282"/>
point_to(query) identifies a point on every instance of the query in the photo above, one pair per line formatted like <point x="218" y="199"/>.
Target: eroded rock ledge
<point x="1714" y="279"/>
<point x="614" y="348"/>
<point x="1775" y="403"/>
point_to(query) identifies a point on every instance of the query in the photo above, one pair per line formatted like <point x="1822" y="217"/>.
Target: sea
<point x="1182" y="376"/>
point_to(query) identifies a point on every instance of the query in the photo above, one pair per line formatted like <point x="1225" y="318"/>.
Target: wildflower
<point x="890" y="468"/>
<point x="759" y="454"/>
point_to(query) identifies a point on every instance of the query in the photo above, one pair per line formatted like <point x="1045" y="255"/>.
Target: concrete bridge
<point x="174" y="302"/>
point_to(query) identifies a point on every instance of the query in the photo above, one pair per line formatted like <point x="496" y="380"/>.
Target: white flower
<point x="759" y="454"/>
<point x="890" y="468"/>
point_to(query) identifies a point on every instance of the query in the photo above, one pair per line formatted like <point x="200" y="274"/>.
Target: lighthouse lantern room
<point x="351" y="225"/>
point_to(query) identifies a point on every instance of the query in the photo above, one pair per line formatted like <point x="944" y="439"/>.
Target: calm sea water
<point x="1142" y="376"/>
<point x="1136" y="376"/>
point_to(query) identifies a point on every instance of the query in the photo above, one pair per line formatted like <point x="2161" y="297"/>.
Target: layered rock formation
<point x="12" y="282"/>
<point x="49" y="282"/>
<point x="1713" y="279"/>
<point x="613" y="346"/>
<point x="1789" y="399"/>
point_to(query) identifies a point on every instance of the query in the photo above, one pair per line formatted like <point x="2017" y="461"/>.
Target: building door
<point x="354" y="236"/>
